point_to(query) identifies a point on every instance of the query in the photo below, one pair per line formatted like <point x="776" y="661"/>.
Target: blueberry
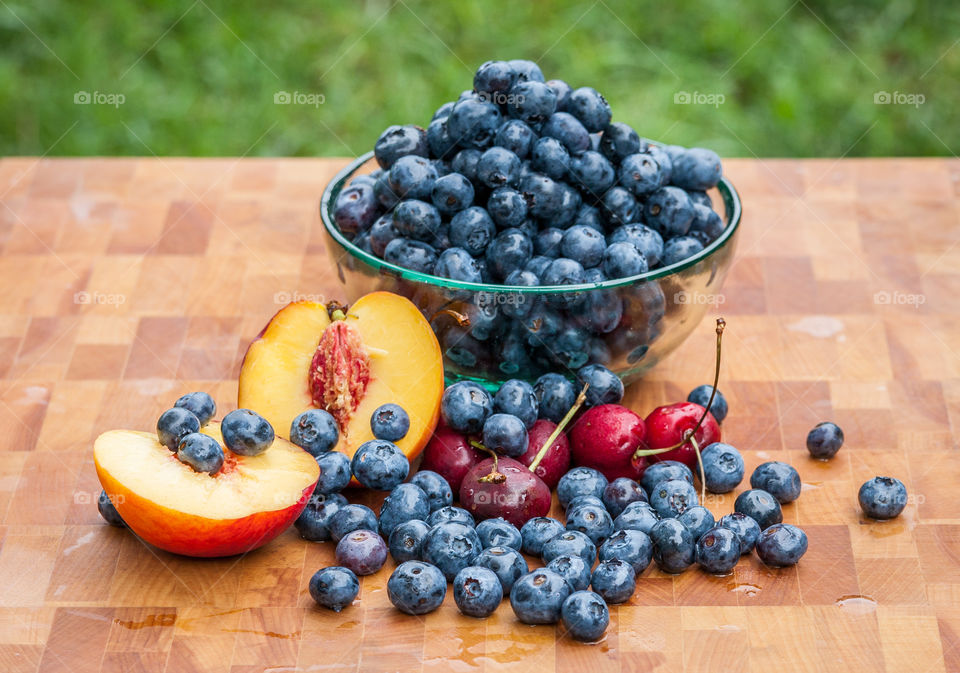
<point x="435" y="487"/>
<point x="745" y="527"/>
<point x="413" y="255"/>
<point x="439" y="141"/>
<point x="498" y="167"/>
<point x="621" y="492"/>
<point x="507" y="207"/>
<point x="573" y="569"/>
<point x="527" y="71"/>
<point x="505" y="562"/>
<point x="570" y="543"/>
<point x="362" y="241"/>
<point x="416" y="588"/>
<point x="518" y="305"/>
<point x="544" y="196"/>
<point x="368" y="179"/>
<point x="605" y="386"/>
<point x="662" y="157"/>
<point x="563" y="91"/>
<point x="698" y="197"/>
<point x="451" y="547"/>
<point x="618" y="141"/>
<point x="362" y="551"/>
<point x="494" y="76"/>
<point x="585" y="615"/>
<point x="672" y="497"/>
<point x="759" y="506"/>
<point x="550" y="157"/>
<point x="547" y="242"/>
<point x="399" y="141"/>
<point x="355" y="208"/>
<point x="531" y="102"/>
<point x="334" y="588"/>
<point x="781" y="545"/>
<point x="696" y="168"/>
<point x="335" y="472"/>
<point x="384" y="193"/>
<point x="513" y="355"/>
<point x="465" y="163"/>
<point x="706" y="226"/>
<point x="379" y="464"/>
<point x="109" y="511"/>
<point x="506" y="434"/>
<point x="201" y="452"/>
<point x="592" y="520"/>
<point x="620" y="207"/>
<point x="673" y="546"/>
<point x="568" y="131"/>
<point x="472" y="229"/>
<point x="592" y="109"/>
<point x="680" y="248"/>
<point x="477" y="591"/>
<point x="563" y="271"/>
<point x="405" y="502"/>
<point x="315" y="431"/>
<point x="537" y="265"/>
<point x="629" y="545"/>
<point x="603" y="309"/>
<point x="824" y="440"/>
<point x="778" y="479"/>
<point x="701" y="395"/>
<point x="416" y="219"/>
<point x="517" y="398"/>
<point x="200" y="404"/>
<point x="669" y="211"/>
<point x="698" y="520"/>
<point x="450" y="514"/>
<point x="466" y="406"/>
<point x="457" y="264"/>
<point x="614" y="580"/>
<point x="537" y="597"/>
<point x="314" y="521"/>
<point x="536" y="532"/>
<point x="581" y="500"/>
<point x="473" y="123"/>
<point x="498" y="532"/>
<point x="643" y="238"/>
<point x="508" y="251"/>
<point x="516" y="136"/>
<point x="667" y="469"/>
<point x="389" y="421"/>
<point x="580" y="481"/>
<point x="406" y="540"/>
<point x="555" y="395"/>
<point x="623" y="260"/>
<point x="718" y="550"/>
<point x="592" y="172"/>
<point x="412" y="177"/>
<point x="452" y="193"/>
<point x="882" y="498"/>
<point x="637" y="516"/>
<point x="175" y="424"/>
<point x="349" y="518"/>
<point x="722" y="467"/>
<point x="584" y="245"/>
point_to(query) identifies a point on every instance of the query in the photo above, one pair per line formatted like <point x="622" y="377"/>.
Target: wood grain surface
<point x="127" y="282"/>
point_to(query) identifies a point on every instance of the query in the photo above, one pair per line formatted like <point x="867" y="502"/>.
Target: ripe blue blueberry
<point x="416" y="588"/>
<point x="620" y="207"/>
<point x="410" y="254"/>
<point x="621" y="492"/>
<point x="569" y="132"/>
<point x="592" y="173"/>
<point x="416" y="219"/>
<point x="593" y="520"/>
<point x="355" y="209"/>
<point x="585" y="616"/>
<point x="315" y="431"/>
<point x="473" y="123"/>
<point x="882" y="497"/>
<point x="547" y="242"/>
<point x="434" y="487"/>
<point x="643" y="238"/>
<point x="619" y="141"/>
<point x="527" y="71"/>
<point x="518" y="398"/>
<point x="778" y="479"/>
<point x="451" y="547"/>
<point x="389" y="421"/>
<point x="700" y="198"/>
<point x="592" y="109"/>
<point x="584" y="245"/>
<point x="200" y="404"/>
<point x="532" y="102"/>
<point x="379" y="464"/>
<point x="824" y="440"/>
<point x="632" y="546"/>
<point x="465" y="163"/>
<point x="672" y="497"/>
<point x="673" y="546"/>
<point x="550" y="157"/>
<point x="334" y="472"/>
<point x="515" y="136"/>
<point x="109" y="511"/>
<point x="399" y="141"/>
<point x="781" y="545"/>
<point x="637" y="515"/>
<point x="570" y="543"/>
<point x="537" y="532"/>
<point x="313" y="524"/>
<point x="362" y="551"/>
<point x="466" y="406"/>
<point x="544" y="196"/>
<point x="334" y="588"/>
<point x="412" y="177"/>
<point x="667" y="469"/>
<point x="563" y="271"/>
<point x="580" y="481"/>
<point x="555" y="395"/>
<point x="384" y="192"/>
<point x="662" y="157"/>
<point x="614" y="580"/>
<point x="175" y="424"/>
<point x="507" y="207"/>
<point x="722" y="467"/>
<point x="498" y="167"/>
<point x="605" y="386"/>
<point x="450" y="514"/>
<point x="505" y="434"/>
<point x="718" y="550"/>
<point x="477" y="591"/>
<point x="505" y="562"/>
<point x="472" y="229"/>
<point x="563" y="91"/>
<point x="669" y="211"/>
<point x="680" y="248"/>
<point x="580" y="500"/>
<point x="406" y="540"/>
<point x="509" y="250"/>
<point x="349" y="518"/>
<point x="452" y="193"/>
<point x="570" y="347"/>
<point x="201" y="452"/>
<point x="457" y="264"/>
<point x="707" y="225"/>
<point x="759" y="506"/>
<point x="537" y="597"/>
<point x="494" y="76"/>
<point x="696" y="168"/>
<point x="518" y="305"/>
<point x="745" y="527"/>
<point x="405" y="502"/>
<point x="698" y="520"/>
<point x="498" y="532"/>
<point x="439" y="141"/>
<point x="573" y="569"/>
<point x="701" y="395"/>
<point x="381" y="233"/>
<point x="640" y="174"/>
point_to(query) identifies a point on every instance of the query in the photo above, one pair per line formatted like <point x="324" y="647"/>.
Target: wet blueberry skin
<point x="632" y="546"/>
<point x="641" y="174"/>
<point x="673" y="546"/>
<point x="507" y="563"/>
<point x="581" y="500"/>
<point x="698" y="521"/>
<point x="435" y="487"/>
<point x="412" y="177"/>
<point x="417" y="220"/>
<point x="614" y="580"/>
<point x="745" y="527"/>
<point x="507" y="207"/>
<point x="201" y="452"/>
<point x="537" y="597"/>
<point x="494" y="76"/>
<point x="623" y="260"/>
<point x="450" y="514"/>
<point x="537" y="532"/>
<point x="696" y="168"/>
<point x="315" y="431"/>
<point x="472" y="229"/>
<point x="362" y="551"/>
<point x="335" y="473"/>
<point x="637" y="516"/>
<point x="573" y="569"/>
<point x="451" y="547"/>
<point x="550" y="157"/>
<point x="175" y="424"/>
<point x="718" y="550"/>
<point x="701" y="395"/>
<point x="680" y="248"/>
<point x="621" y="492"/>
<point x="246" y="432"/>
<point x="406" y="540"/>
<point x="452" y="193"/>
<point x="580" y="481"/>
<point x="314" y="521"/>
<point x="349" y="518"/>
<point x="515" y="136"/>
<point x="380" y="465"/>
<point x="882" y="497"/>
<point x="506" y="434"/>
<point x="824" y="440"/>
<point x="355" y="208"/>
<point x="778" y="479"/>
<point x="398" y="141"/>
<point x="404" y="503"/>
<point x="555" y="395"/>
<point x="201" y="404"/>
<point x="584" y="245"/>
<point x="109" y="511"/>
<point x="572" y="543"/>
<point x="673" y="497"/>
<point x="508" y="251"/>
<point x="723" y="467"/>
<point x="759" y="506"/>
<point x="593" y="520"/>
<point x="416" y="588"/>
<point x="389" y="421"/>
<point x="618" y="141"/>
<point x="410" y="254"/>
<point x="585" y="615"/>
<point x="605" y="386"/>
<point x="517" y="398"/>
<point x="590" y="107"/>
<point x="477" y="591"/>
<point x="334" y="588"/>
<point x="781" y="545"/>
<point x="667" y="469"/>
<point x="498" y="533"/>
<point x="457" y="264"/>
<point x="669" y="211"/>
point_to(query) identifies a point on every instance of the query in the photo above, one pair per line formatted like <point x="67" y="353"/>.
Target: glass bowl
<point x="491" y="333"/>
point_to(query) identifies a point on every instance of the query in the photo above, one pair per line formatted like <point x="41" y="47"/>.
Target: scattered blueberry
<point x="621" y="492"/>
<point x="335" y="472"/>
<point x="436" y="488"/>
<point x="698" y="520"/>
<point x="406" y="540"/>
<point x="404" y="503"/>
<point x="824" y="440"/>
<point x="722" y="467"/>
<point x="200" y="404"/>
<point x="389" y="421"/>
<point x="614" y="580"/>
<point x="505" y="434"/>
<point x="672" y="497"/>
<point x="673" y="546"/>
<point x="315" y="431"/>
<point x="416" y="588"/>
<point x="573" y="569"/>
<point x="718" y="550"/>
<point x="781" y="545"/>
<point x="555" y="395"/>
<point x="585" y="615"/>
<point x="334" y="588"/>
<point x="759" y="506"/>
<point x="506" y="563"/>
<point x="778" y="479"/>
<point x="175" y="424"/>
<point x="246" y="432"/>
<point x="580" y="481"/>
<point x="451" y="547"/>
<point x="362" y="551"/>
<point x="537" y="597"/>
<point x="637" y="516"/>
<point x="450" y="514"/>
<point x="465" y="407"/>
<point x="314" y="521"/>
<point x="882" y="498"/>
<point x="632" y="546"/>
<point x="745" y="527"/>
<point x="605" y="386"/>
<point x="379" y="464"/>
<point x="570" y="543"/>
<point x="701" y="395"/>
<point x="201" y="452"/>
<point x="667" y="469"/>
<point x="517" y="398"/>
<point x="593" y="520"/>
<point x="477" y="591"/>
<point x="538" y="531"/>
<point x="498" y="533"/>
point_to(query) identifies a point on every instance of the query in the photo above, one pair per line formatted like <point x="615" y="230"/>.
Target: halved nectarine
<point x="348" y="361"/>
<point x="250" y="501"/>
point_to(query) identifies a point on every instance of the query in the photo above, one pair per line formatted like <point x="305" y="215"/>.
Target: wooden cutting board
<point x="126" y="282"/>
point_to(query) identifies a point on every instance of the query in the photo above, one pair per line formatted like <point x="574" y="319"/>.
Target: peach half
<point x="250" y="501"/>
<point x="349" y="361"/>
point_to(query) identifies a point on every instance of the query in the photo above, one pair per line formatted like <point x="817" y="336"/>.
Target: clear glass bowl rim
<point x="727" y="191"/>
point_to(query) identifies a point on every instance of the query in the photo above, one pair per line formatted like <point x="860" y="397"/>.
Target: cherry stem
<point x="703" y="475"/>
<point x="495" y="476"/>
<point x="462" y="320"/>
<point x="581" y="398"/>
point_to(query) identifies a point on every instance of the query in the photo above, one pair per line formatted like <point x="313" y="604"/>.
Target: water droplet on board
<point x="856" y="603"/>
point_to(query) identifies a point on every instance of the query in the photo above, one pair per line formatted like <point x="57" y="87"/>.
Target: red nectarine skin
<point x="340" y="371"/>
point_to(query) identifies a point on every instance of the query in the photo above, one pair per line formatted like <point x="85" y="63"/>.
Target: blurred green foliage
<point x="199" y="77"/>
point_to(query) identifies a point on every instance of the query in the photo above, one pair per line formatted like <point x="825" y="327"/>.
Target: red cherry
<point x="556" y="462"/>
<point x="521" y="496"/>
<point x="666" y="426"/>
<point x="450" y="455"/>
<point x="605" y="438"/>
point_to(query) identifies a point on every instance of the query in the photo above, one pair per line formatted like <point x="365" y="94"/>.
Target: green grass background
<point x="199" y="77"/>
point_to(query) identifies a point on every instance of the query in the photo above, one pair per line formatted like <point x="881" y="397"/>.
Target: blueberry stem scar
<point x="581" y="398"/>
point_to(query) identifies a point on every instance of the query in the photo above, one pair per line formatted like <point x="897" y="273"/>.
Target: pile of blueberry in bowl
<point x="534" y="231"/>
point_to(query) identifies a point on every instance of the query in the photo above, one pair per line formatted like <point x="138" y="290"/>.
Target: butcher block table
<point x="127" y="282"/>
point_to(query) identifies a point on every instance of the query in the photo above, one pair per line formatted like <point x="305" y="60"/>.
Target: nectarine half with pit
<point x="247" y="503"/>
<point x="348" y="361"/>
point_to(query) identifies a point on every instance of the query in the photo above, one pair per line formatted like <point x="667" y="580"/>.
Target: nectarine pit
<point x="340" y="371"/>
